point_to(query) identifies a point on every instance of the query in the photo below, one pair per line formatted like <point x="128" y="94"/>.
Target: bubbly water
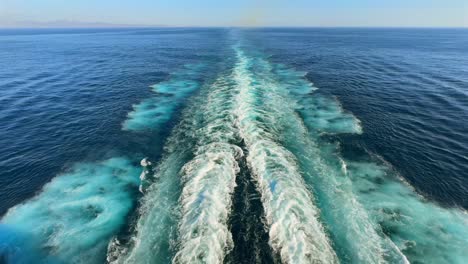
<point x="246" y="161"/>
<point x="75" y="214"/>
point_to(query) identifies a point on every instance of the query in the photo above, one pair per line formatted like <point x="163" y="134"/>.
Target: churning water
<point x="262" y="146"/>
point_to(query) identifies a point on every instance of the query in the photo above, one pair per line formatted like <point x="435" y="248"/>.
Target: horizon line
<point x="233" y="26"/>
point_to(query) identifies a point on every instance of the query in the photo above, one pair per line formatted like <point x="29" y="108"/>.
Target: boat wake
<point x="317" y="201"/>
<point x="296" y="233"/>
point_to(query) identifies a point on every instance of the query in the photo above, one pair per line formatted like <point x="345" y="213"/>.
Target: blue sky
<point x="396" y="13"/>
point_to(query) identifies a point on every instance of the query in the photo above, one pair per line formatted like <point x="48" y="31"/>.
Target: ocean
<point x="234" y="145"/>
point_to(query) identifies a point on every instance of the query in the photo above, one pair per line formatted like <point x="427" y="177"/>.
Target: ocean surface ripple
<point x="257" y="146"/>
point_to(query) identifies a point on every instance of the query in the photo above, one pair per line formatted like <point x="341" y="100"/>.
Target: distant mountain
<point x="66" y="24"/>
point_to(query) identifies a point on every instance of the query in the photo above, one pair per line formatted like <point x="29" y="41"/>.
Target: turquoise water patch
<point x="76" y="214"/>
<point x="154" y="112"/>
<point x="273" y="184"/>
<point x="18" y="247"/>
<point x="424" y="231"/>
<point x="325" y="115"/>
<point x="321" y="114"/>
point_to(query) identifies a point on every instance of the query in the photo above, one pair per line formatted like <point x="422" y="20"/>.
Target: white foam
<point x="206" y="203"/>
<point x="386" y="220"/>
<point x="357" y="238"/>
<point x="295" y="231"/>
<point x="192" y="194"/>
<point x="144" y="162"/>
<point x="156" y="227"/>
<point x="209" y="181"/>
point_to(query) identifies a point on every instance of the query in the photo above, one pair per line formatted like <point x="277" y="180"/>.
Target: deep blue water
<point x="363" y="129"/>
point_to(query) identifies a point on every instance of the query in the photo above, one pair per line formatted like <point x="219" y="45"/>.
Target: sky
<point x="327" y="13"/>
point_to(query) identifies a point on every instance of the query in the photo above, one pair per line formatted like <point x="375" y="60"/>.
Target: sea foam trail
<point x="383" y="213"/>
<point x="357" y="237"/>
<point x="295" y="231"/>
<point x="424" y="231"/>
<point x="321" y="114"/>
<point x="209" y="180"/>
<point x="74" y="216"/>
<point x="156" y="111"/>
<point x="155" y="229"/>
<point x="186" y="209"/>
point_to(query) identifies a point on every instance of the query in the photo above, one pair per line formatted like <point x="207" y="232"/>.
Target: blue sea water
<point x="291" y="145"/>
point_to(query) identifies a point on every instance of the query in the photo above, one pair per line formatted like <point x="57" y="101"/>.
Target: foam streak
<point x="295" y="231"/>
